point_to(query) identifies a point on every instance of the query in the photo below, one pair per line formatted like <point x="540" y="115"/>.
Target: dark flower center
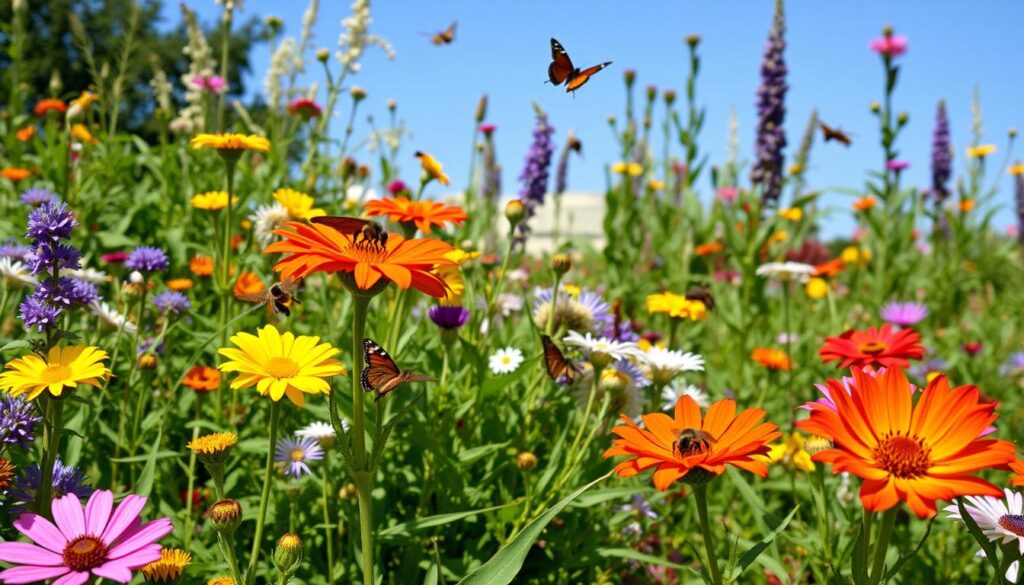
<point x="902" y="456"/>
<point x="84" y="553"/>
<point x="873" y="347"/>
<point x="1013" y="523"/>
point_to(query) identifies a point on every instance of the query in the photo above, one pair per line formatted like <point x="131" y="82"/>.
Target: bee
<point x="703" y="294"/>
<point x="280" y="296"/>
<point x="444" y="37"/>
<point x="368" y="231"/>
<point x="834" y="133"/>
<point x="692" y="442"/>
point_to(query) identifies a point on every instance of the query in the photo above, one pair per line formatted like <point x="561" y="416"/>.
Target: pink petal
<point x="68" y="514"/>
<point x="115" y="571"/>
<point x="146" y="535"/>
<point x="18" y="575"/>
<point x="126" y="513"/>
<point x="73" y="578"/>
<point x="97" y="511"/>
<point x="139" y="557"/>
<point x="41" y="531"/>
<point x="29" y="554"/>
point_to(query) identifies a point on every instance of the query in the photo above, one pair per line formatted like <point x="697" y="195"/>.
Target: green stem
<point x="55" y="427"/>
<point x="192" y="480"/>
<point x="550" y="329"/>
<point x="261" y="518"/>
<point x="701" y="492"/>
<point x="882" y="546"/>
<point x="227" y="548"/>
<point x="363" y="475"/>
<point x="329" y="534"/>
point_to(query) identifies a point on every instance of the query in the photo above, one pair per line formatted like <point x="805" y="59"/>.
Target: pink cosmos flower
<point x="397" y="187"/>
<point x="891" y="45"/>
<point x="114" y="257"/>
<point x="211" y="83"/>
<point x="95" y="541"/>
<point x="488" y="129"/>
<point x="897" y="165"/>
<point x="727" y="193"/>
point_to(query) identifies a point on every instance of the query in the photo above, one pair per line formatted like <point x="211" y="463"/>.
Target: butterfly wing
<point x="561" y="67"/>
<point x="584" y="76"/>
<point x="381" y="374"/>
<point x="449" y="35"/>
<point x="260" y="297"/>
<point x="554" y="360"/>
<point x="345" y="225"/>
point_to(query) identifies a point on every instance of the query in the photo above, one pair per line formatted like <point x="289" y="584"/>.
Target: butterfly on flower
<point x="381" y="374"/>
<point x="561" y="70"/>
<point x="558" y="366"/>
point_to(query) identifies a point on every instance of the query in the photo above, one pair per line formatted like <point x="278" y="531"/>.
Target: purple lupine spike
<point x="536" y="170"/>
<point x="771" y="111"/>
<point x="942" y="164"/>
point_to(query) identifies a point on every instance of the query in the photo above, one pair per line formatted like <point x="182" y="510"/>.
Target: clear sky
<point x="502" y="49"/>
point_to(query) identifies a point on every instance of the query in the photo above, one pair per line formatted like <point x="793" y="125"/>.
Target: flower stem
<point x="363" y="475"/>
<point x="882" y="546"/>
<point x="329" y="534"/>
<point x="227" y="548"/>
<point x="192" y="479"/>
<point x="700" y="491"/>
<point x="55" y="427"/>
<point x="264" y="496"/>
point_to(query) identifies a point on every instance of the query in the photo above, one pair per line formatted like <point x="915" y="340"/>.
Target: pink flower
<point x="211" y="83"/>
<point x="891" y="45"/>
<point x="488" y="129"/>
<point x="304" y="108"/>
<point x="727" y="194"/>
<point x="95" y="541"/>
<point x="114" y="257"/>
<point x="1012" y="231"/>
<point x="897" y="165"/>
<point x="397" y="187"/>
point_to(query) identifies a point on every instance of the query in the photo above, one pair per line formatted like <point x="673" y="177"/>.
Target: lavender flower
<point x="640" y="506"/>
<point x="536" y="170"/>
<point x="67" y="479"/>
<point x="147" y="259"/>
<point x="171" y="302"/>
<point x="51" y="258"/>
<point x="448" y="317"/>
<point x="146" y="345"/>
<point x="51" y="222"/>
<point x="66" y="292"/>
<point x="771" y="109"/>
<point x="903" y="314"/>
<point x="18" y="421"/>
<point x="15" y="251"/>
<point x="292" y="455"/>
<point x="38" y="313"/>
<point x="942" y="156"/>
<point x="37" y="196"/>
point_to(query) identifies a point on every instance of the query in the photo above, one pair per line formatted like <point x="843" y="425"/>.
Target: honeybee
<point x="280" y="296"/>
<point x="703" y="294"/>
<point x="369" y="231"/>
<point x="691" y="442"/>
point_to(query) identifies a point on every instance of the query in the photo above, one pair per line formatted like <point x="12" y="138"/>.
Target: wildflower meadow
<point x="264" y="341"/>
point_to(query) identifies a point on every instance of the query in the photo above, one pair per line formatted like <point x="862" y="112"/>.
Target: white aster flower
<point x="508" y="303"/>
<point x="670" y="395"/>
<point x="110" y="315"/>
<point x="266" y="219"/>
<point x="15" y="273"/>
<point x="603" y="349"/>
<point x="506" y="360"/>
<point x="663" y="364"/>
<point x="90" y="275"/>
<point x="786" y="271"/>
<point x="321" y="432"/>
<point x="999" y="519"/>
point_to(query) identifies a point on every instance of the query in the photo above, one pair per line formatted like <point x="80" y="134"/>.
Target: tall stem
<point x="329" y="534"/>
<point x="362" y="472"/>
<point x="55" y="427"/>
<point x="705" y="528"/>
<point x="250" y="577"/>
<point x="882" y="547"/>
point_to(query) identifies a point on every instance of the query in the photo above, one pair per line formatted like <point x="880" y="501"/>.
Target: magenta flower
<point x="727" y="194"/>
<point x="304" y="108"/>
<point x="95" y="541"/>
<point x="897" y="165"/>
<point x="890" y="45"/>
<point x="211" y="83"/>
<point x="903" y="314"/>
<point x="114" y="257"/>
<point x="488" y="129"/>
<point x="397" y="187"/>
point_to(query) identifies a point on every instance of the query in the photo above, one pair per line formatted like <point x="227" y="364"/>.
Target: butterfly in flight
<point x="562" y="70"/>
<point x="369" y="231"/>
<point x="558" y="366"/>
<point x="280" y="296"/>
<point x="836" y="134"/>
<point x="381" y="374"/>
<point x="444" y="37"/>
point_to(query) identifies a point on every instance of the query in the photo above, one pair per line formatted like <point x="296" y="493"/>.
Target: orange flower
<point x="671" y="445"/>
<point x="830" y="268"/>
<point x="709" y="249"/>
<point x="179" y="284"/>
<point x="50" y="105"/>
<point x="874" y="347"/>
<point x="1018" y="473"/>
<point x="915" y="453"/>
<point x="202" y="378"/>
<point x="771" y="358"/>
<point x="201" y="265"/>
<point x="15" y="173"/>
<point x="966" y="205"/>
<point x="248" y="283"/>
<point x="319" y="248"/>
<point x="424" y="214"/>
<point x="26" y="133"/>
<point x="865" y="203"/>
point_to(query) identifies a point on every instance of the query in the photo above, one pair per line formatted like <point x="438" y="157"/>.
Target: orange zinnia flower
<point x="874" y="347"/>
<point x="865" y="203"/>
<point x="424" y="214"/>
<point x="771" y="358"/>
<point x="15" y="173"/>
<point x="179" y="284"/>
<point x="709" y="249"/>
<point x="319" y="248"/>
<point x="915" y="453"/>
<point x="201" y="265"/>
<point x="25" y="134"/>
<point x="50" y="105"/>
<point x="830" y="268"/>
<point x="202" y="378"/>
<point x="684" y="444"/>
<point x="248" y="284"/>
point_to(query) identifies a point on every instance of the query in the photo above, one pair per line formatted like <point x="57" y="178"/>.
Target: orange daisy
<point x="831" y="268"/>
<point x="248" y="283"/>
<point x="905" y="452"/>
<point x="201" y="265"/>
<point x="1018" y="473"/>
<point x="26" y="133"/>
<point x="179" y="284"/>
<point x="709" y="249"/>
<point x="15" y="173"/>
<point x="771" y="358"/>
<point x="719" y="439"/>
<point x="319" y="248"/>
<point x="875" y="347"/>
<point x="50" y="105"/>
<point x="865" y="203"/>
<point x="202" y="378"/>
<point x="424" y="214"/>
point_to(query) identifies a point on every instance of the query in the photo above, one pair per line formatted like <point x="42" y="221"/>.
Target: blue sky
<point x="502" y="49"/>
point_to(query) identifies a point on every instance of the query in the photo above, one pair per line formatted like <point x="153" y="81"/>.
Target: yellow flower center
<point x="55" y="373"/>
<point x="904" y="457"/>
<point x="506" y="360"/>
<point x="873" y="347"/>
<point x="282" y="367"/>
<point x="297" y="454"/>
<point x="84" y="553"/>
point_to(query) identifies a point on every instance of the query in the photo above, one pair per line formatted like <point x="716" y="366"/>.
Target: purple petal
<point x="122" y="567"/>
<point x="146" y="535"/>
<point x="126" y="513"/>
<point x="41" y="531"/>
<point x="18" y="575"/>
<point x="69" y="516"/>
<point x="29" y="554"/>
<point x="73" y="578"/>
<point x="116" y="571"/>
<point x="97" y="511"/>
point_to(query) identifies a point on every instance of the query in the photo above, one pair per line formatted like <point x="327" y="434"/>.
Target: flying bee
<point x="279" y="296"/>
<point x="692" y="442"/>
<point x="703" y="294"/>
<point x="445" y="36"/>
<point x="369" y="231"/>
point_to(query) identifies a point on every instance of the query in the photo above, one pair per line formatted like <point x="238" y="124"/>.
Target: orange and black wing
<point x="381" y="374"/>
<point x="260" y="297"/>
<point x="345" y="225"/>
<point x="561" y="67"/>
<point x="557" y="365"/>
<point x="834" y="134"/>
<point x="584" y="76"/>
<point x="446" y="36"/>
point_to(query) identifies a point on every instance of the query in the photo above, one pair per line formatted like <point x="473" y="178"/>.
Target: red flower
<point x="877" y="347"/>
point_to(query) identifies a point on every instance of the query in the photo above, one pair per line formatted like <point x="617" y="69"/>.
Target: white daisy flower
<point x="110" y="315"/>
<point x="663" y="364"/>
<point x="786" y="271"/>
<point x="267" y="219"/>
<point x="15" y="273"/>
<point x="508" y="303"/>
<point x="506" y="360"/>
<point x="999" y="519"/>
<point x="90" y="275"/>
<point x="321" y="432"/>
<point x="603" y="349"/>
<point x="670" y="395"/>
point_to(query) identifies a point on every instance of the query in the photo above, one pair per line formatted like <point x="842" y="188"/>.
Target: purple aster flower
<point x="771" y="112"/>
<point x="448" y="317"/>
<point x="36" y="312"/>
<point x="897" y="165"/>
<point x="18" y="421"/>
<point x="640" y="506"/>
<point x="51" y="258"/>
<point x="84" y="293"/>
<point x="67" y="479"/>
<point x="536" y="170"/>
<point x="66" y="292"/>
<point x="1014" y="364"/>
<point x="625" y="332"/>
<point x="594" y="314"/>
<point x="51" y="222"/>
<point x="292" y="454"/>
<point x="903" y="314"/>
<point x="37" y="196"/>
<point x="147" y="259"/>
<point x="15" y="251"/>
<point x="171" y="302"/>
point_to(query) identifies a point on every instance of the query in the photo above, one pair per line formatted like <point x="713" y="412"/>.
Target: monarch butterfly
<point x="280" y="296"/>
<point x="370" y="231"/>
<point x="446" y="36"/>
<point x="556" y="363"/>
<point x="381" y="374"/>
<point x="562" y="70"/>
<point x="836" y="134"/>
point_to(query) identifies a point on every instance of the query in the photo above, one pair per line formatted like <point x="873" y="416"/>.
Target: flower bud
<point x="630" y="76"/>
<point x="652" y="93"/>
<point x="692" y="40"/>
<point x="135" y="277"/>
<point x="225" y="515"/>
<point x="514" y="212"/>
<point x="669" y="95"/>
<point x="392" y="105"/>
<point x="902" y="118"/>
<point x="481" y="109"/>
<point x="1012" y="132"/>
<point x="357" y="93"/>
<point x="526" y="460"/>
<point x="362" y="172"/>
<point x="887" y="30"/>
<point x="349" y="491"/>
<point x="875" y="107"/>
<point x="322" y="55"/>
<point x="147" y="361"/>
<point x="274" y="23"/>
<point x="288" y="554"/>
<point x="56" y="85"/>
<point x="561" y="263"/>
<point x="348" y="168"/>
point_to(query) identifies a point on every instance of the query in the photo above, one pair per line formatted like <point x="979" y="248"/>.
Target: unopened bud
<point x="56" y="85"/>
<point x="273" y="22"/>
<point x="561" y="263"/>
<point x="481" y="109"/>
<point x="322" y="55"/>
<point x="514" y="212"/>
<point x="147" y="361"/>
<point x="288" y="554"/>
<point x="225" y="515"/>
<point x="887" y="30"/>
<point x="392" y="105"/>
<point x="348" y="167"/>
<point x="1012" y="132"/>
<point x="630" y="76"/>
<point x="875" y="107"/>
<point x="526" y="460"/>
<point x="902" y="118"/>
<point x="692" y="40"/>
<point x="349" y="491"/>
<point x="669" y="95"/>
<point x="357" y="93"/>
<point x="652" y="93"/>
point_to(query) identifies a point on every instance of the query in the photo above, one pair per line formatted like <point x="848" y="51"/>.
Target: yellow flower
<point x="432" y="168"/>
<point x="281" y="364"/>
<point x="792" y="214"/>
<point x="452" y="277"/>
<point x="624" y="168"/>
<point x="980" y="151"/>
<point x="460" y="256"/>
<point x="82" y="133"/>
<point x="85" y="100"/>
<point x="855" y="255"/>
<point x="655" y="185"/>
<point x="169" y="568"/>
<point x="212" y="201"/>
<point x="816" y="288"/>
<point x="966" y="205"/>
<point x="298" y="204"/>
<point x="225" y="580"/>
<point x="1017" y="169"/>
<point x="675" y="305"/>
<point x="778" y="236"/>
<point x="790" y="451"/>
<point x="231" y="142"/>
<point x="795" y="169"/>
<point x="179" y="284"/>
<point x="64" y="367"/>
<point x="213" y="444"/>
<point x="572" y="290"/>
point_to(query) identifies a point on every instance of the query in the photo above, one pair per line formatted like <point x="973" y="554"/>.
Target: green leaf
<point x="406" y="529"/>
<point x="476" y="453"/>
<point x="755" y="551"/>
<point x="606" y="494"/>
<point x="628" y="553"/>
<point x="16" y="344"/>
<point x="503" y="567"/>
<point x="145" y="484"/>
<point x="986" y="545"/>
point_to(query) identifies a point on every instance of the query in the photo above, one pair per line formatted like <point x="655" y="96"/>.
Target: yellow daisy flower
<point x="298" y="204"/>
<point x="791" y="451"/>
<point x="281" y="364"/>
<point x="1017" y="169"/>
<point x="82" y="133"/>
<point x="231" y="142"/>
<point x="816" y="288"/>
<point x="980" y="151"/>
<point x="677" y="306"/>
<point x="64" y="367"/>
<point x="632" y="169"/>
<point x="432" y="167"/>
<point x="456" y="285"/>
<point x="212" y="200"/>
<point x="213" y="444"/>
<point x="169" y="568"/>
<point x="792" y="214"/>
<point x="855" y="255"/>
<point x="224" y="580"/>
